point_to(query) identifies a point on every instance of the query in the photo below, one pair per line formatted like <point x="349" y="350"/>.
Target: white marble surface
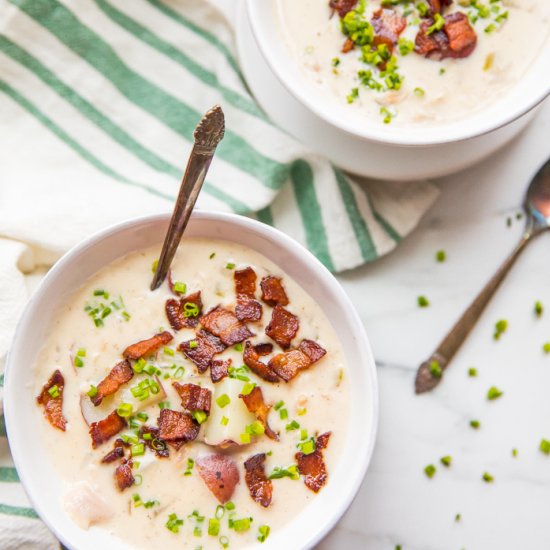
<point x="397" y="503"/>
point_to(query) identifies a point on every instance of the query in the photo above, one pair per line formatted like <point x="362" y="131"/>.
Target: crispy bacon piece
<point x="288" y="364"/>
<point x="251" y="359"/>
<point x="147" y="347"/>
<point x="255" y="403"/>
<point x="462" y="37"/>
<point x="103" y="430"/>
<point x="283" y="326"/>
<point x="388" y="24"/>
<point x="245" y="281"/>
<point x="263" y="349"/>
<point x="312" y="349"/>
<point x="322" y="440"/>
<point x="342" y="6"/>
<point x="207" y="345"/>
<point x="120" y="374"/>
<point x="124" y="477"/>
<point x="115" y="454"/>
<point x="177" y="427"/>
<point x="176" y="311"/>
<point x="312" y="466"/>
<point x="457" y="39"/>
<point x="53" y="406"/>
<point x="224" y="323"/>
<point x="348" y="45"/>
<point x="193" y="397"/>
<point x="260" y="487"/>
<point x="155" y="443"/>
<point x="273" y="291"/>
<point x="220" y="474"/>
<point x="247" y="308"/>
<point x="219" y="369"/>
<point x="435" y="6"/>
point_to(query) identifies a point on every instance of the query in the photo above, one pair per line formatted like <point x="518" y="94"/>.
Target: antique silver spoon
<point x="537" y="210"/>
<point x="208" y="133"/>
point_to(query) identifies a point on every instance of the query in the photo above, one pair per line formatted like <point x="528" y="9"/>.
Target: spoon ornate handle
<point x="430" y="372"/>
<point x="208" y="133"/>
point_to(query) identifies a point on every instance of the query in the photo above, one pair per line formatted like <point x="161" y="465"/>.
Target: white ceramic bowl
<point x="387" y="151"/>
<point x="41" y="478"/>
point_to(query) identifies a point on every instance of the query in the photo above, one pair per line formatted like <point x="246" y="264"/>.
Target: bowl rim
<point x="398" y="138"/>
<point x="24" y="324"/>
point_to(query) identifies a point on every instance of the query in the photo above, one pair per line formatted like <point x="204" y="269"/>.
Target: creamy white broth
<point x="465" y="87"/>
<point x="322" y="390"/>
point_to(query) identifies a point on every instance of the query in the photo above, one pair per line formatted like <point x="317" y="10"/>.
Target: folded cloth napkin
<point x="99" y="99"/>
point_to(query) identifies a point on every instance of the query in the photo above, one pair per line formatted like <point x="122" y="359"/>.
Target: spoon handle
<point x="429" y="375"/>
<point x="208" y="134"/>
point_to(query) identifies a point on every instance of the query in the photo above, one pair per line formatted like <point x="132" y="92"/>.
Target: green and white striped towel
<point x="98" y="102"/>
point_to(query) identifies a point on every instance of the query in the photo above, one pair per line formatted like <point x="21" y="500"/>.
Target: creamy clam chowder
<point x="205" y="414"/>
<point x="414" y="61"/>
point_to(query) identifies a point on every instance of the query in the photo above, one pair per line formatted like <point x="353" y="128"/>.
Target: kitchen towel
<point x="98" y="102"/>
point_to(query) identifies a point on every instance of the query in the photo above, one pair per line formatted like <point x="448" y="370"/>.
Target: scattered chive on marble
<point x="423" y="301"/>
<point x="472" y="372"/>
<point x="446" y="460"/>
<point x="544" y="446"/>
<point x="430" y="470"/>
<point x="487" y="477"/>
<point x="539" y="308"/>
<point x="500" y="328"/>
<point x="475" y="424"/>
<point x="494" y="393"/>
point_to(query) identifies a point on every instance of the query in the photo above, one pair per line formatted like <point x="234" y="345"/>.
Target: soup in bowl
<point x="234" y="406"/>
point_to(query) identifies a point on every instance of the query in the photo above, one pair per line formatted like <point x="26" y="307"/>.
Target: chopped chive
<point x="307" y="447"/>
<point x="241" y="525"/>
<point x="164" y="405"/>
<point x="494" y="393"/>
<point x="245" y="438"/>
<point x="472" y="372"/>
<point x="440" y="256"/>
<point x="514" y="453"/>
<point x="291" y="472"/>
<point x="283" y="414"/>
<point x="229" y="265"/>
<point x="422" y="301"/>
<point x="224" y="541"/>
<point x="247" y="388"/>
<point x="169" y="351"/>
<point x="301" y="412"/>
<point x="223" y="400"/>
<point x="224" y="421"/>
<point x="54" y="391"/>
<point x="138" y="450"/>
<point x="538" y="308"/>
<point x="199" y="416"/>
<point x="124" y="410"/>
<point x="446" y="460"/>
<point x="151" y="503"/>
<point x="229" y="506"/>
<point x="500" y="328"/>
<point x="212" y="255"/>
<point x="78" y="361"/>
<point x="193" y="344"/>
<point x="98" y="322"/>
<point x="419" y="92"/>
<point x="430" y="470"/>
<point x="278" y="405"/>
<point x="180" y="288"/>
<point x="544" y="446"/>
<point x="238" y="347"/>
<point x="213" y="527"/>
<point x="190" y="309"/>
<point x="487" y="477"/>
<point x="263" y="532"/>
<point x="190" y="464"/>
<point x="292" y="426"/>
<point x="81" y="352"/>
<point x="475" y="424"/>
<point x="92" y="392"/>
<point x="546" y="347"/>
<point x="435" y="369"/>
<point x="458" y="517"/>
<point x="174" y="523"/>
<point x="154" y="266"/>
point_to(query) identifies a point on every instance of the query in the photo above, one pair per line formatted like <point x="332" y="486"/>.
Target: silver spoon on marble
<point x="537" y="210"/>
<point x="208" y="133"/>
